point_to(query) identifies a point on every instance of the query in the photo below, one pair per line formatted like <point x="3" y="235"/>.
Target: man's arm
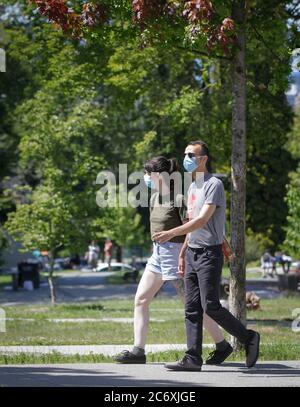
<point x="184" y="247"/>
<point x="205" y="214"/>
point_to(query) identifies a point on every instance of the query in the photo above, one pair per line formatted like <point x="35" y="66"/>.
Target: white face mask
<point x="148" y="181"/>
<point x="190" y="164"/>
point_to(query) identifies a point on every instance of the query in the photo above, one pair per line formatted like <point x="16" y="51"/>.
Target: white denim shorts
<point x="164" y="260"/>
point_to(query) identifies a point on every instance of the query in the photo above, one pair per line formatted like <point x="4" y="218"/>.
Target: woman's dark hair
<point x="204" y="150"/>
<point x="161" y="164"/>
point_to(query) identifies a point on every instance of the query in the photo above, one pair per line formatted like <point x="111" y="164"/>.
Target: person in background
<point x="286" y="262"/>
<point x="39" y="258"/>
<point x="267" y="262"/>
<point x="108" y="250"/>
<point x="133" y="262"/>
<point x="93" y="254"/>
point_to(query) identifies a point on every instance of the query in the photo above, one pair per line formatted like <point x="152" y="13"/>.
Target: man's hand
<point x="162" y="237"/>
<point x="181" y="266"/>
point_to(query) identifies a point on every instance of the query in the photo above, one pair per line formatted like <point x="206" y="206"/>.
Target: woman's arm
<point x="194" y="224"/>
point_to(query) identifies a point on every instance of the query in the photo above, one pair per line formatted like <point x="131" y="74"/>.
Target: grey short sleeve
<point x="210" y="192"/>
<point x="214" y="194"/>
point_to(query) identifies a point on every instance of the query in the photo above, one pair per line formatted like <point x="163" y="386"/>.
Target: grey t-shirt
<point x="209" y="190"/>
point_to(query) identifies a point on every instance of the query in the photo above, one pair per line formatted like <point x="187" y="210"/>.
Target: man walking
<point x="201" y="261"/>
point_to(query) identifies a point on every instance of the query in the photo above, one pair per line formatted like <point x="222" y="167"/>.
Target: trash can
<point x="15" y="284"/>
<point x="29" y="272"/>
<point x="282" y="282"/>
<point x="288" y="282"/>
<point x="292" y="281"/>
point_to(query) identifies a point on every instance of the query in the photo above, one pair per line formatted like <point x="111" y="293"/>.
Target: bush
<point x="256" y="245"/>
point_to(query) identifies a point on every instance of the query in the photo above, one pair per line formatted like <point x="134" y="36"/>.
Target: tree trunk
<point x="119" y="253"/>
<point x="50" y="280"/>
<point x="237" y="297"/>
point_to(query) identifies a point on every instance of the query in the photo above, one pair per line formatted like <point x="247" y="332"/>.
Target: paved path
<point x="264" y="374"/>
<point x="106" y="350"/>
<point x="72" y="287"/>
<point x="82" y="286"/>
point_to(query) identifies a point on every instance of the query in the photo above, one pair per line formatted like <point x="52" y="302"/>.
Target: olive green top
<point x="167" y="214"/>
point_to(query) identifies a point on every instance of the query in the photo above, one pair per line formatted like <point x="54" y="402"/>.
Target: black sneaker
<point x="252" y="349"/>
<point x="218" y="356"/>
<point x="185" y="364"/>
<point x="128" y="357"/>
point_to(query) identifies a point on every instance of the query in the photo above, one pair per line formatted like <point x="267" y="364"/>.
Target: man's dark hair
<point x="204" y="151"/>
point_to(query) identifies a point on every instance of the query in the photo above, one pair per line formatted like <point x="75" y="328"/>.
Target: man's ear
<point x="202" y="159"/>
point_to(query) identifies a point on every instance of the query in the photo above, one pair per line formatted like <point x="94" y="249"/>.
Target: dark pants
<point x="203" y="271"/>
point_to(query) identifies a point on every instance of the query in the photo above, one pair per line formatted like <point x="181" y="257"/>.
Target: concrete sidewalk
<point x="264" y="374"/>
<point x="106" y="350"/>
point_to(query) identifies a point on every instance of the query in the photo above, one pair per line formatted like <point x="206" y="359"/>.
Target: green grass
<point x="40" y="331"/>
<point x="276" y="352"/>
<point x="54" y="357"/>
<point x="89" y="333"/>
<point x="5" y="280"/>
<point x="118" y="278"/>
<point x="249" y="275"/>
<point x="279" y="308"/>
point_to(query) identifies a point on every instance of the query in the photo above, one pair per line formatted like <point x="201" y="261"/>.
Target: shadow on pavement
<point x="270" y="369"/>
<point x="48" y="376"/>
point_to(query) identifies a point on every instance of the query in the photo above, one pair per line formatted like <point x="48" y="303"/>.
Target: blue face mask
<point x="190" y="163"/>
<point x="148" y="181"/>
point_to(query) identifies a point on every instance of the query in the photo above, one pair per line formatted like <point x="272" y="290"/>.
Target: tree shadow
<point x="50" y="376"/>
<point x="269" y="369"/>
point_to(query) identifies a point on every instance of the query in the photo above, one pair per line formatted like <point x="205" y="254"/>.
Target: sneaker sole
<point x="183" y="369"/>
<point x="130" y="362"/>
<point x="257" y="353"/>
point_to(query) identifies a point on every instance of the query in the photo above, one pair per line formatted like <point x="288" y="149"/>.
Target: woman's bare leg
<point x="149" y="285"/>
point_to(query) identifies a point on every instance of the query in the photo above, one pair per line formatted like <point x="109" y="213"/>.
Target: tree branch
<point x="206" y="54"/>
<point x="265" y="44"/>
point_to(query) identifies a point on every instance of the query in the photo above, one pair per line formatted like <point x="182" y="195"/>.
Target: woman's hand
<point x="162" y="237"/>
